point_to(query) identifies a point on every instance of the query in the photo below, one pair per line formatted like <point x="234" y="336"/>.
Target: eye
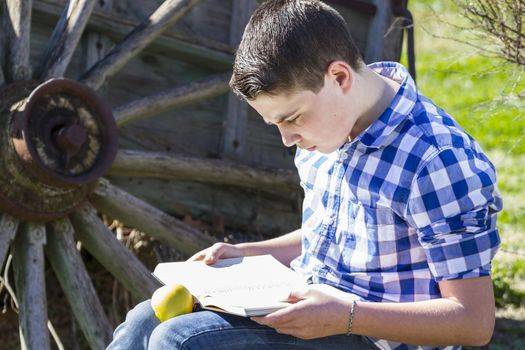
<point x="290" y="121"/>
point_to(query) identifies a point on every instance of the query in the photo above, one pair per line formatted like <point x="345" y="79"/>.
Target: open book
<point x="249" y="286"/>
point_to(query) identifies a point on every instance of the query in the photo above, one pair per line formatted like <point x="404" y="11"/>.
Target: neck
<point x="373" y="94"/>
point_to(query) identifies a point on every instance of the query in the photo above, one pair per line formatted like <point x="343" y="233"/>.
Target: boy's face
<point x="314" y="121"/>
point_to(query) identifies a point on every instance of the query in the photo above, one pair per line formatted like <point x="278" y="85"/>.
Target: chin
<point x="328" y="151"/>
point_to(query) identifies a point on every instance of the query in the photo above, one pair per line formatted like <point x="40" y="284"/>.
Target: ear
<point x="342" y="73"/>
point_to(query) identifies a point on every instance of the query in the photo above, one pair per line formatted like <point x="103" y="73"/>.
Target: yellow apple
<point x="170" y="301"/>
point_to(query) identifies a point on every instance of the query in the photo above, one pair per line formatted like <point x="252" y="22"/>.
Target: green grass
<point x="480" y="92"/>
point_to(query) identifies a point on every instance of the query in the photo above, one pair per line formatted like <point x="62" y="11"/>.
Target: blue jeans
<point x="214" y="331"/>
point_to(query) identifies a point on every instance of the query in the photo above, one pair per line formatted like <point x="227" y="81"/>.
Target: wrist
<point x="245" y="249"/>
<point x="351" y="316"/>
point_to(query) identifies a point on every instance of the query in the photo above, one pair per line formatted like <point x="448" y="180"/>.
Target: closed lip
<point x="311" y="148"/>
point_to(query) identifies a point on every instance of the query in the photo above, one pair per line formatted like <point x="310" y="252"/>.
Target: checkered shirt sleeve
<point x="453" y="205"/>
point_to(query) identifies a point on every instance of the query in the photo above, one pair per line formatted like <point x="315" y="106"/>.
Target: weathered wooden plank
<point x="243" y="210"/>
<point x="208" y="53"/>
<point x="2" y="45"/>
<point x="136" y="213"/>
<point x="376" y="32"/>
<point x="172" y="98"/>
<point x="209" y="20"/>
<point x="112" y="254"/>
<point x="234" y="135"/>
<point x="28" y="263"/>
<point x="233" y="142"/>
<point x="17" y="25"/>
<point x="215" y="171"/>
<point x="8" y="227"/>
<point x="71" y="273"/>
<point x="168" y="13"/>
<point x="96" y="45"/>
<point x="65" y="37"/>
<point x="264" y="144"/>
<point x="2" y="52"/>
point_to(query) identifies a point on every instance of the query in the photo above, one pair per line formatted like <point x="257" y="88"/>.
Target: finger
<point x="289" y="331"/>
<point x="276" y="318"/>
<point x="197" y="256"/>
<point x="215" y="252"/>
<point x="212" y="256"/>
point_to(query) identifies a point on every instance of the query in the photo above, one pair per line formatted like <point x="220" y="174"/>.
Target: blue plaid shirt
<point x="409" y="202"/>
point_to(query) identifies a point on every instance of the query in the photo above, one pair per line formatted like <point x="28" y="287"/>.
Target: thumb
<point x="297" y="295"/>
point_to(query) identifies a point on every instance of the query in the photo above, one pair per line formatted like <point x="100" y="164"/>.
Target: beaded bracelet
<point x="351" y="317"/>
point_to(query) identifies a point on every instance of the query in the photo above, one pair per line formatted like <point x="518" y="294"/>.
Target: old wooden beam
<point x="62" y="253"/>
<point x="2" y="46"/>
<point x="17" y="25"/>
<point x="112" y="254"/>
<point x="213" y="171"/>
<point x="2" y="78"/>
<point x="97" y="44"/>
<point x="375" y="41"/>
<point x="2" y="51"/>
<point x="167" y="14"/>
<point x="136" y="213"/>
<point x="172" y="98"/>
<point x="205" y="52"/>
<point x="8" y="227"/>
<point x="28" y="263"/>
<point x="65" y="37"/>
<point x="233" y="138"/>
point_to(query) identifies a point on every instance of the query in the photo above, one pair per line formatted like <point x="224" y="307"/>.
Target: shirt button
<point x="343" y="156"/>
<point x="330" y="220"/>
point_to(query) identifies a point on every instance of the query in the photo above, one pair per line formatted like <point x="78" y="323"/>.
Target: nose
<point x="289" y="137"/>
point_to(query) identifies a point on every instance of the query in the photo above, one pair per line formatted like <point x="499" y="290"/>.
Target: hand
<point x="318" y="311"/>
<point x="217" y="251"/>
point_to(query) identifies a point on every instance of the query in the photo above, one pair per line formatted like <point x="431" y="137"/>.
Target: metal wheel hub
<point x="57" y="139"/>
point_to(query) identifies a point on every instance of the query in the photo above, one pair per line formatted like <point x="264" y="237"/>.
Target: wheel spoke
<point x="65" y="37"/>
<point x="172" y="98"/>
<point x="2" y="47"/>
<point x="8" y="227"/>
<point x="136" y="213"/>
<point x="17" y="25"/>
<point x="167" y="14"/>
<point x="28" y="253"/>
<point x="67" y="263"/>
<point x="105" y="247"/>
<point x="213" y="171"/>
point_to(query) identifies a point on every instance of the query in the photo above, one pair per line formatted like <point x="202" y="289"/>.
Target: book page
<point x="249" y="281"/>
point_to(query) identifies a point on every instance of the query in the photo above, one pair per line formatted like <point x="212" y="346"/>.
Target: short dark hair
<point x="289" y="44"/>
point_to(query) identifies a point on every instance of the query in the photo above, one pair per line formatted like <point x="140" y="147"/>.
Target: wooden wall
<point x="197" y="46"/>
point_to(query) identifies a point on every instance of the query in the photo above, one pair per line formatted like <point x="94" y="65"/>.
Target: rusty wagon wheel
<point x="57" y="139"/>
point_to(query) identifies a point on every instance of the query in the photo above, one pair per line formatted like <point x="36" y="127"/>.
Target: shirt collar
<point x="376" y="135"/>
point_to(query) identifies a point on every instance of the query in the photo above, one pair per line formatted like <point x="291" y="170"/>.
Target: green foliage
<point x="503" y="276"/>
<point x="484" y="94"/>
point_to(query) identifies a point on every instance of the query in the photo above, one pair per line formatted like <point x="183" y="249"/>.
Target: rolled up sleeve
<point x="453" y="204"/>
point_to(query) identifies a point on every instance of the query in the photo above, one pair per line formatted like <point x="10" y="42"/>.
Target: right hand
<point x="217" y="251"/>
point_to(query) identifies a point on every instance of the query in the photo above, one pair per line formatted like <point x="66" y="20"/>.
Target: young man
<point x="399" y="215"/>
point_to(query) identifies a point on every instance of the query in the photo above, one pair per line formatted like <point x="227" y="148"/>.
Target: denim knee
<point x="169" y="334"/>
<point x="134" y="332"/>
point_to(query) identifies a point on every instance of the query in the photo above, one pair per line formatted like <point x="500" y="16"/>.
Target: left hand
<point x="317" y="311"/>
